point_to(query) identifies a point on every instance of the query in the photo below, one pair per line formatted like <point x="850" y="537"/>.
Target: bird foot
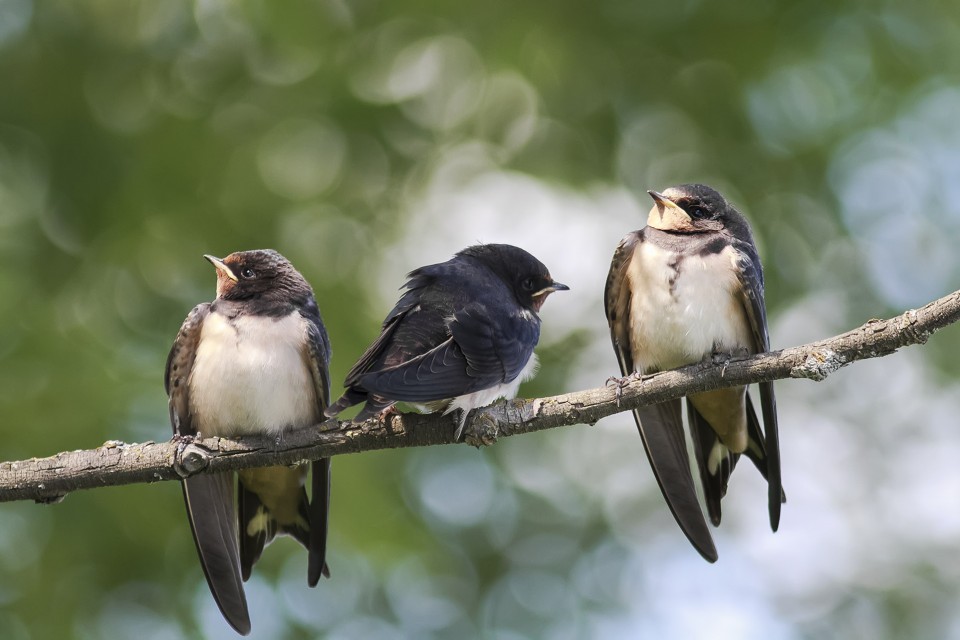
<point x="620" y="383"/>
<point x="718" y="357"/>
<point x="183" y="440"/>
<point x="332" y="424"/>
<point x="189" y="457"/>
<point x="379" y="413"/>
<point x="726" y="357"/>
<point x="385" y="415"/>
<point x="481" y="432"/>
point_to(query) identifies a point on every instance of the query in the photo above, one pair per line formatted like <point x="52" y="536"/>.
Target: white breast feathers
<point x="250" y="376"/>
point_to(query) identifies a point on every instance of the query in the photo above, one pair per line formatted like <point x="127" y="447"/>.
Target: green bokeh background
<point x="363" y="139"/>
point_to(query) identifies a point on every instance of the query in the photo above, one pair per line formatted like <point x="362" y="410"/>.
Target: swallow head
<point x="529" y="278"/>
<point x="688" y="208"/>
<point x="258" y="274"/>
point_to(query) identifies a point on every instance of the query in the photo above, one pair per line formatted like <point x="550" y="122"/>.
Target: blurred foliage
<point x="363" y="139"/>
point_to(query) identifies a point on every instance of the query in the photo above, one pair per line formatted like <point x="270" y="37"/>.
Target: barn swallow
<point x="688" y="287"/>
<point x="252" y="362"/>
<point x="461" y="336"/>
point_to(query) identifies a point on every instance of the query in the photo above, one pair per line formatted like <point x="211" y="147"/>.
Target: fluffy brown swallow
<point x="252" y="362"/>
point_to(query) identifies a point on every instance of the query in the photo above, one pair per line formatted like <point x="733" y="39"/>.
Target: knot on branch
<point x="190" y="459"/>
<point x="908" y="330"/>
<point x="818" y="365"/>
<point x="503" y="418"/>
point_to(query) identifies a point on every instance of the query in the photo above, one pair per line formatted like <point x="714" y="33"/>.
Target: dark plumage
<point x="254" y="361"/>
<point x="685" y="288"/>
<point x="461" y="335"/>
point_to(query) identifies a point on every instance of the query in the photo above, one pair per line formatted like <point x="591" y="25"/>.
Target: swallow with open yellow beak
<point x="686" y="288"/>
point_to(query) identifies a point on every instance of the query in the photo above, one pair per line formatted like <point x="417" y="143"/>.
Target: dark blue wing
<point x="751" y="280"/>
<point x="481" y="352"/>
<point x="318" y="345"/>
<point x="389" y="349"/>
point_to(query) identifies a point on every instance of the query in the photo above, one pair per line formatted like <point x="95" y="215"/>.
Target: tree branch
<point x="116" y="463"/>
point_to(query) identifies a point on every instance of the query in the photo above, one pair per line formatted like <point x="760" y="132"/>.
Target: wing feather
<point x="210" y="500"/>
<point x="750" y="273"/>
<point x="480" y="353"/>
<point x="318" y="512"/>
<point x="660" y="425"/>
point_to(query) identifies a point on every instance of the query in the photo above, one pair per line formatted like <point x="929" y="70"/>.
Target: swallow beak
<point x="667" y="216"/>
<point x="554" y="286"/>
<point x="540" y="296"/>
<point x="221" y="267"/>
<point x="660" y="199"/>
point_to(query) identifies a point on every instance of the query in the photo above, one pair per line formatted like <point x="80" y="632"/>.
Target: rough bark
<point x="116" y="463"/>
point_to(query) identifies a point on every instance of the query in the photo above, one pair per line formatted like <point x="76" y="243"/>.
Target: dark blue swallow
<point x="461" y="336"/>
<point x="688" y="287"/>
<point x="252" y="362"/>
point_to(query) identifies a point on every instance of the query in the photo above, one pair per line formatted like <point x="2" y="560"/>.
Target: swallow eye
<point x="247" y="274"/>
<point x="696" y="211"/>
<point x="528" y="284"/>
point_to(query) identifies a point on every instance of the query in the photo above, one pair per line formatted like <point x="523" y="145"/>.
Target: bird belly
<point x="250" y="376"/>
<point x="684" y="307"/>
<point x="504" y="390"/>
